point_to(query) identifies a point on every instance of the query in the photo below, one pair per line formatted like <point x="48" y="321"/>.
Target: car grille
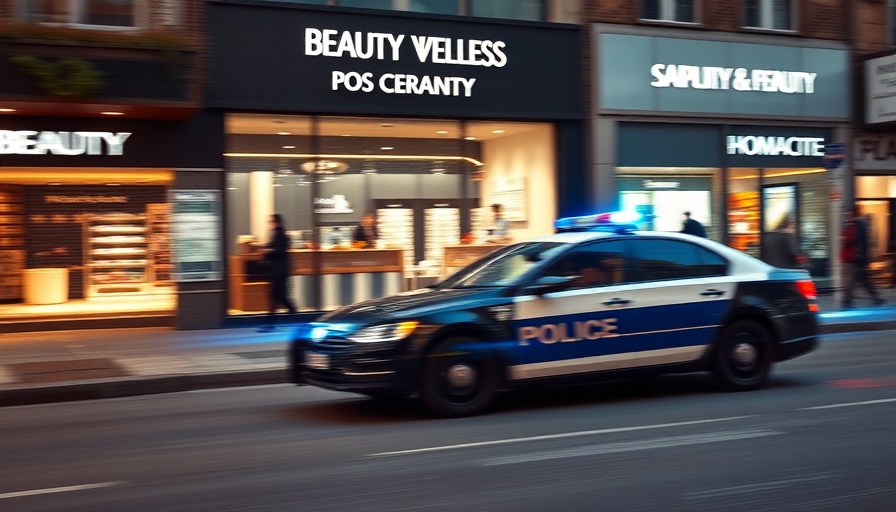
<point x="332" y="343"/>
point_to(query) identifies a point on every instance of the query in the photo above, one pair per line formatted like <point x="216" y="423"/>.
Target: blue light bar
<point x="622" y="221"/>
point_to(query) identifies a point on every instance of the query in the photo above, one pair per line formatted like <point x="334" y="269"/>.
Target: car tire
<point x="457" y="382"/>
<point x="743" y="356"/>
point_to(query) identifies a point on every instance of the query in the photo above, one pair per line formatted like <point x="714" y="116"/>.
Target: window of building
<point x="769" y="14"/>
<point x="508" y="9"/>
<point x="669" y="10"/>
<point x="99" y="13"/>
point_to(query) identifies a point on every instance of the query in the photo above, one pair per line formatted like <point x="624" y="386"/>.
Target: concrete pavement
<point x="60" y="366"/>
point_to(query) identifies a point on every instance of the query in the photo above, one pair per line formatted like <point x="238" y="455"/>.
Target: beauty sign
<point x="454" y="53"/>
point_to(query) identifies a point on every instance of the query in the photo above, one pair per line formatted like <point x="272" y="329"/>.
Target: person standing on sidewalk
<point x="854" y="257"/>
<point x="692" y="226"/>
<point x="781" y="249"/>
<point x="277" y="258"/>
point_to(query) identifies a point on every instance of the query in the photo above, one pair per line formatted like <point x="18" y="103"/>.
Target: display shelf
<point x="159" y="238"/>
<point x="442" y="228"/>
<point x="116" y="255"/>
<point x="396" y="229"/>
<point x="12" y="242"/>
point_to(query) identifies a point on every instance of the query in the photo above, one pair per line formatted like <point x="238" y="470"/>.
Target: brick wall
<point x="871" y="27"/>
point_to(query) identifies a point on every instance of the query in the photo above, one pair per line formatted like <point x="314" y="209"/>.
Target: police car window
<point x="657" y="260"/>
<point x="505" y="267"/>
<point x="596" y="264"/>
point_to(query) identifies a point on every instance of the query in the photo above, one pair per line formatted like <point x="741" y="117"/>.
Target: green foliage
<point x="65" y="77"/>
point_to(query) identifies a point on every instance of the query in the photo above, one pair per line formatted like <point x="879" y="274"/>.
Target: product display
<point x="12" y="250"/>
<point x="116" y="263"/>
<point x="743" y="223"/>
<point x="159" y="237"/>
<point x="442" y="228"/>
<point x="396" y="229"/>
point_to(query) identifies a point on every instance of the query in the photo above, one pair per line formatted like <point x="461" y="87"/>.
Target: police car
<point x="596" y="299"/>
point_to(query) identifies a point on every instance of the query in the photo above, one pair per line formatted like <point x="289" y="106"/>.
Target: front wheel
<point x="457" y="382"/>
<point x="743" y="357"/>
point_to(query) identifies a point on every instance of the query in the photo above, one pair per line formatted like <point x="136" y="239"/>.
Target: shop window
<point x="95" y="13"/>
<point x="891" y="22"/>
<point x="769" y="14"/>
<point x="599" y="264"/>
<point x="508" y="9"/>
<point x="669" y="10"/>
<point x="744" y="210"/>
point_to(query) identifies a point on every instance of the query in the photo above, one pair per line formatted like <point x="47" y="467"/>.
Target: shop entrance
<point x="84" y="243"/>
<point x="880" y="215"/>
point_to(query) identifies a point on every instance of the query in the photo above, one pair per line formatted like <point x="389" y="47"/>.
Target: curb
<point x="70" y="392"/>
<point x="841" y="328"/>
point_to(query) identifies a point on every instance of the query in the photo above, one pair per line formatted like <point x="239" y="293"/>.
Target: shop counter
<point x="347" y="276"/>
<point x="45" y="285"/>
<point x="459" y="256"/>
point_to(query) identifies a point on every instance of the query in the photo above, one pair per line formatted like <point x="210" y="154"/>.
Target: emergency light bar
<point x="618" y="222"/>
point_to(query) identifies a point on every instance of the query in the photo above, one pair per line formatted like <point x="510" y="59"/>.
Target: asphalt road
<point x="822" y="437"/>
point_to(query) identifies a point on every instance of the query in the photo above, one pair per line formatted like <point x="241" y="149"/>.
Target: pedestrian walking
<point x="276" y="257"/>
<point x="854" y="257"/>
<point x="781" y="249"/>
<point x="692" y="226"/>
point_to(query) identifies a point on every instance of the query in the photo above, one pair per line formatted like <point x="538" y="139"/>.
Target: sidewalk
<point x="59" y="366"/>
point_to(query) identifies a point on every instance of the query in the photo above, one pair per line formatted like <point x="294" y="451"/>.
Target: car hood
<point x="414" y="303"/>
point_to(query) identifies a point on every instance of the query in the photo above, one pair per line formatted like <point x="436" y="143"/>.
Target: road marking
<point x="51" y="490"/>
<point x="632" y="446"/>
<point x="849" y="404"/>
<point x="764" y="486"/>
<point x="555" y="436"/>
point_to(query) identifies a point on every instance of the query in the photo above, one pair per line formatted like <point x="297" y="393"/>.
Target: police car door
<point x="682" y="294"/>
<point x="586" y="326"/>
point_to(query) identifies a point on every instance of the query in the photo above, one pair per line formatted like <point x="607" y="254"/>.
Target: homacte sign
<point x="389" y="47"/>
<point x="738" y="79"/>
<point x="753" y="145"/>
<point x="29" y="142"/>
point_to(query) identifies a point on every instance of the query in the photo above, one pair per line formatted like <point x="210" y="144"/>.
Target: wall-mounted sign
<point x="30" y="142"/>
<point x="511" y="194"/>
<point x="662" y="185"/>
<point x="196" y="235"/>
<point x="384" y="46"/>
<point x="336" y="204"/>
<point x="754" y="145"/>
<point x="880" y="90"/>
<point x="739" y="79"/>
<point x="648" y="73"/>
<point x="874" y="153"/>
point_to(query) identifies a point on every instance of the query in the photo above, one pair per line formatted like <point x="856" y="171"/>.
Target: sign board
<point x="511" y="194"/>
<point x="880" y="90"/>
<point x="833" y="155"/>
<point x="196" y="235"/>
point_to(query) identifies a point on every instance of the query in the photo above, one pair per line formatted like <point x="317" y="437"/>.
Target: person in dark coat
<point x="855" y="258"/>
<point x="366" y="231"/>
<point x="692" y="226"/>
<point x="781" y="249"/>
<point x="276" y="257"/>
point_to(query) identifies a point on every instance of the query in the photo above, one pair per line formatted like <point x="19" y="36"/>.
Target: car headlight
<point x="385" y="332"/>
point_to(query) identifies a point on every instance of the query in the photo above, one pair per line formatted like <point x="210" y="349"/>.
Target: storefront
<point x="85" y="216"/>
<point x="423" y="121"/>
<point x="728" y="128"/>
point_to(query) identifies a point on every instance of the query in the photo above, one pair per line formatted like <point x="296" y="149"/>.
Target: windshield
<point x="504" y="267"/>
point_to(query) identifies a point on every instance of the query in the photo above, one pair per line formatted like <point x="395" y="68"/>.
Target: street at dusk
<point x="820" y="437"/>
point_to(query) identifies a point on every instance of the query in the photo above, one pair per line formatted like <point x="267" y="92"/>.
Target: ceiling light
<point x="497" y="131"/>
<point x="54" y="183"/>
<point x="283" y="133"/>
<point x="112" y="113"/>
<point x="289" y="147"/>
<point x="387" y="148"/>
<point x="113" y="184"/>
<point x="442" y="132"/>
<point x="438" y="170"/>
<point x="347" y="135"/>
<point x="469" y="138"/>
<point x="7" y="110"/>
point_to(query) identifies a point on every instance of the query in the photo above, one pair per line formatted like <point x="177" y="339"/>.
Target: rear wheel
<point x="457" y="382"/>
<point x="743" y="357"/>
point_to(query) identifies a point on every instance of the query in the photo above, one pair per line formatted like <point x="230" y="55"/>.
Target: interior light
<point x="7" y="110"/>
<point x="469" y="138"/>
<point x="283" y="133"/>
<point x="289" y="147"/>
<point x="357" y="157"/>
<point x="347" y="135"/>
<point x="497" y="131"/>
<point x="113" y="184"/>
<point x="54" y="183"/>
<point x="442" y="132"/>
<point x="112" y="113"/>
<point x="387" y="148"/>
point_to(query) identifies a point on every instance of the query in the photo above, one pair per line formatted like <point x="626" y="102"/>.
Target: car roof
<point x="742" y="263"/>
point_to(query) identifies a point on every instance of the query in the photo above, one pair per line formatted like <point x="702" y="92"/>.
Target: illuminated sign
<point x="385" y="46"/>
<point x="653" y="184"/>
<point x="738" y="79"/>
<point x="336" y="204"/>
<point x="753" y="145"/>
<point x="30" y="142"/>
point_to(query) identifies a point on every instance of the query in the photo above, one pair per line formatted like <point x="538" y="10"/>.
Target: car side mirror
<point x="548" y="284"/>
